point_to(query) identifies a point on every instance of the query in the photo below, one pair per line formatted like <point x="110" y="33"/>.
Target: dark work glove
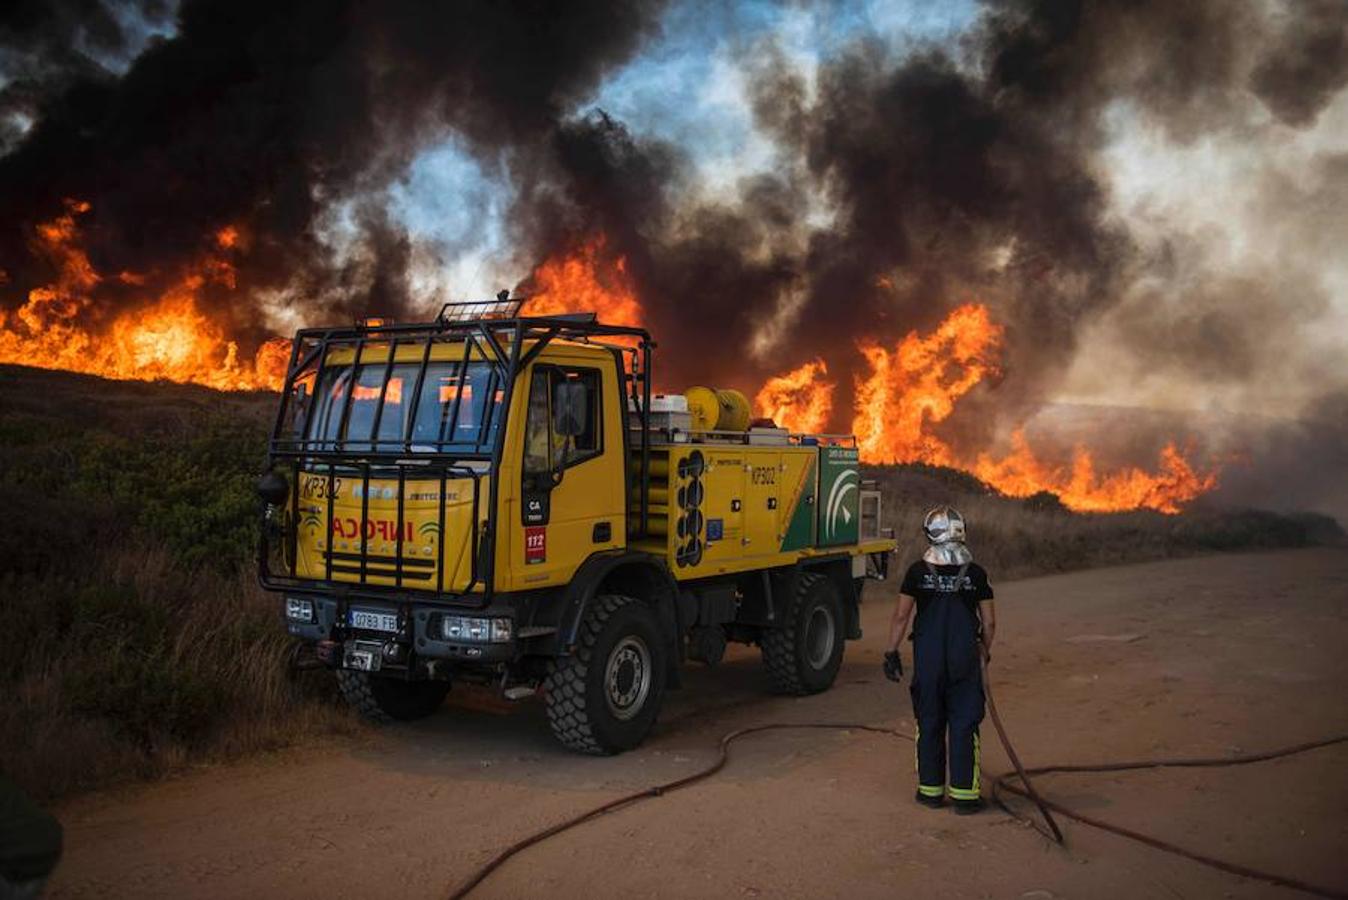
<point x="893" y="666"/>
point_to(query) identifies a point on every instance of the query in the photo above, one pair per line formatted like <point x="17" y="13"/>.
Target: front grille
<point x="381" y="566"/>
<point x="372" y="559"/>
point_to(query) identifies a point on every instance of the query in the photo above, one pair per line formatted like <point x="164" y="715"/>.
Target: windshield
<point x="435" y="422"/>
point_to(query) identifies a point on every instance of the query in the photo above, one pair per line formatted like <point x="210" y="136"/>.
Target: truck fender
<point x="639" y="575"/>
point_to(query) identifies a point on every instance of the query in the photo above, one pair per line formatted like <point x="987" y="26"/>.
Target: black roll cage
<point x="499" y="340"/>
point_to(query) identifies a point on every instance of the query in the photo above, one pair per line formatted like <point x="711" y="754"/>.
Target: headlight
<point x="467" y="628"/>
<point x="299" y="610"/>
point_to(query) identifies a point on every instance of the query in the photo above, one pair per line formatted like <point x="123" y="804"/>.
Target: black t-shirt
<point x="918" y="583"/>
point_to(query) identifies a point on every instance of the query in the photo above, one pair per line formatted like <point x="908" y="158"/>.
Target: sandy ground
<point x="1197" y="657"/>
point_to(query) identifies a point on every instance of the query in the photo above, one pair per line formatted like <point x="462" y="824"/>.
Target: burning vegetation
<point x="934" y="240"/>
<point x="580" y="282"/>
<point x="800" y="400"/>
<point x="897" y="405"/>
<point x="915" y="386"/>
<point x="158" y="335"/>
<point x="901" y="398"/>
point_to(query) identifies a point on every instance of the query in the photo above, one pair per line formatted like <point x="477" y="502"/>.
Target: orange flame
<point x="918" y="384"/>
<point x="910" y="388"/>
<point x="1079" y="487"/>
<point x="168" y="337"/>
<point x="587" y="280"/>
<point x="799" y="401"/>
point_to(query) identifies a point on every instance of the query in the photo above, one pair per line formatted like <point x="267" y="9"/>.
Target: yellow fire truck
<point x="492" y="497"/>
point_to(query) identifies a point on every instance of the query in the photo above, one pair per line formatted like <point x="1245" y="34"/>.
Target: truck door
<point x="573" y="491"/>
<point x="761" y="490"/>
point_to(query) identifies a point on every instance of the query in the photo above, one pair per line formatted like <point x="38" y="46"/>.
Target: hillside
<point x="139" y="640"/>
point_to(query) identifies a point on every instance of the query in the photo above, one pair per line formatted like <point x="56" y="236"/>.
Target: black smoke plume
<point x="960" y="173"/>
<point x="262" y="115"/>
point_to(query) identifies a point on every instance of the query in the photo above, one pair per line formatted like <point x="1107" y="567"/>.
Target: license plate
<point x="373" y="621"/>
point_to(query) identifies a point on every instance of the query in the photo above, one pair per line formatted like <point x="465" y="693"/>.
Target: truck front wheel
<point x="383" y="699"/>
<point x="604" y="697"/>
<point x="804" y="656"/>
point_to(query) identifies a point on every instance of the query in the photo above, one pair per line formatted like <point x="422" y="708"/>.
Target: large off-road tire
<point x="804" y="656"/>
<point x="384" y="699"/>
<point x="604" y="698"/>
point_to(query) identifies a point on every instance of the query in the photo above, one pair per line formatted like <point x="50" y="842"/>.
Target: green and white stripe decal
<point x="840" y="491"/>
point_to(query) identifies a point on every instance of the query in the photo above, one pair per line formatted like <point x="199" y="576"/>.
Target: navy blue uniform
<point x="947" y="686"/>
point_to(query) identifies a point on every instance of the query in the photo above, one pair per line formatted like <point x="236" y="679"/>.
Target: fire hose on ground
<point x="1025" y="788"/>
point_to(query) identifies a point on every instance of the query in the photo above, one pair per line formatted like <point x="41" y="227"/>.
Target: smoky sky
<point x="903" y="180"/>
<point x="262" y="114"/>
<point x="955" y="173"/>
<point x="972" y="171"/>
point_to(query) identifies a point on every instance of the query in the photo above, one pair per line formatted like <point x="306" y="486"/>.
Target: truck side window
<point x="543" y="449"/>
<point x="587" y="443"/>
<point x="537" y="430"/>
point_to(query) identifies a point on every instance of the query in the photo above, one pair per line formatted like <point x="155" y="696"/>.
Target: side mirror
<point x="570" y="408"/>
<point x="273" y="488"/>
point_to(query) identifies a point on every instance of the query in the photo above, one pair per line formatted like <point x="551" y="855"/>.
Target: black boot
<point x="968" y="807"/>
<point x="934" y="802"/>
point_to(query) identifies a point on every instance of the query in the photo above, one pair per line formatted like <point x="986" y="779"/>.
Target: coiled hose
<point x="1000" y="783"/>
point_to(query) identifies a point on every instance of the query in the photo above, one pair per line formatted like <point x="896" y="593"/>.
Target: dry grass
<point x="1036" y="536"/>
<point x="138" y="638"/>
<point x="133" y="665"/>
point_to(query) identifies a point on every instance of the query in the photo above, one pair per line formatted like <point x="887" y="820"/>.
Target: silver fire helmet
<point x="944" y="528"/>
<point x="943" y="524"/>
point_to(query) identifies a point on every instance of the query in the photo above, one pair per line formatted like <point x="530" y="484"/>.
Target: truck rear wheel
<point x="604" y="698"/>
<point x="805" y="655"/>
<point x="383" y="699"/>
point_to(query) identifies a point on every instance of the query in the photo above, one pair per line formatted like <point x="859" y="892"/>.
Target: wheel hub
<point x="627" y="677"/>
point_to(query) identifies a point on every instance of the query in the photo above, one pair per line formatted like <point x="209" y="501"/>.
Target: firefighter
<point x="955" y="622"/>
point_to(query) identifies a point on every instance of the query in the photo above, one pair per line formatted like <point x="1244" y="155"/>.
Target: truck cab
<point x="487" y="498"/>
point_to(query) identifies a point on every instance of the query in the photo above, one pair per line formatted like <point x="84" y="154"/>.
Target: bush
<point x="138" y="638"/>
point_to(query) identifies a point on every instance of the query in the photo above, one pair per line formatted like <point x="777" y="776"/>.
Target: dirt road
<point x="1196" y="657"/>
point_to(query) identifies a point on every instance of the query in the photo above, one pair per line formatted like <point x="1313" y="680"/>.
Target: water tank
<point x="717" y="410"/>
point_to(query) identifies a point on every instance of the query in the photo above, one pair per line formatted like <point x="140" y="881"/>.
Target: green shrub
<point x="137" y="638"/>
